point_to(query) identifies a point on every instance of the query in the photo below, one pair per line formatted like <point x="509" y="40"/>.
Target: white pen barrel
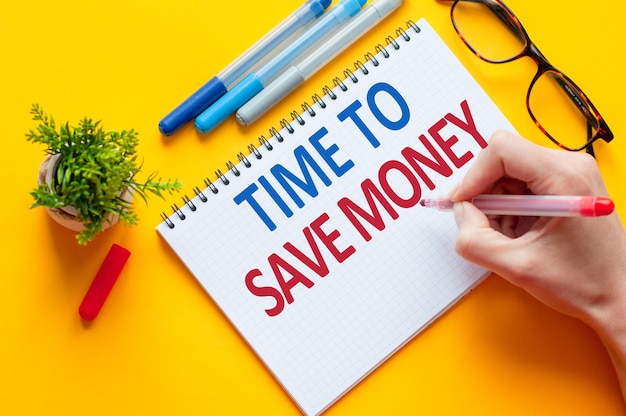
<point x="315" y="58"/>
<point x="269" y="45"/>
<point x="269" y="96"/>
<point x="529" y="205"/>
<point x="339" y="41"/>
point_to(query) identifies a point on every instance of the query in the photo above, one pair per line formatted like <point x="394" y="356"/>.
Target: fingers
<point x="542" y="169"/>
<point x="477" y="241"/>
<point x="494" y="163"/>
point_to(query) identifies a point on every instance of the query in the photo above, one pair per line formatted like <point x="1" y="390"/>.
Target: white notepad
<point x="318" y="252"/>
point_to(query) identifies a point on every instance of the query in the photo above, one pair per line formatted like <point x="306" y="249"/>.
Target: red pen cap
<point x="103" y="282"/>
<point x="596" y="206"/>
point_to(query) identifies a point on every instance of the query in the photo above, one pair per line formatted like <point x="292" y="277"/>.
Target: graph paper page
<point x="318" y="252"/>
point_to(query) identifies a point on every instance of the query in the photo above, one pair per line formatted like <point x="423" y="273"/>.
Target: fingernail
<point x="459" y="213"/>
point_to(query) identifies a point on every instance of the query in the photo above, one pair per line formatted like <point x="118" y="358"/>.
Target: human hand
<point x="574" y="265"/>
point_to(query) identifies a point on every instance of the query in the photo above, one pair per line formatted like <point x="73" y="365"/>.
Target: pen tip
<point x="423" y="202"/>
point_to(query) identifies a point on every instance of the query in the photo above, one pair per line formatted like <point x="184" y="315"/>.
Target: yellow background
<point x="159" y="345"/>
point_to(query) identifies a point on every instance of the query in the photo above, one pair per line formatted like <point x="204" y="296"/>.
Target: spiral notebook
<point x="313" y="244"/>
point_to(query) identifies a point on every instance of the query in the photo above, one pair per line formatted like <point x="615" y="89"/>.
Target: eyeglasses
<point x="559" y="108"/>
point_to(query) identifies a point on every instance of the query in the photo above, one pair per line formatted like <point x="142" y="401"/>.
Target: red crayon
<point x="103" y="282"/>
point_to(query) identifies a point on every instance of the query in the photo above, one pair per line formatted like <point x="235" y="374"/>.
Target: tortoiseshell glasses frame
<point x="463" y="11"/>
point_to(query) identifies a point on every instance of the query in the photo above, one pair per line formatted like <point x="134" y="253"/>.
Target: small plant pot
<point x="68" y="216"/>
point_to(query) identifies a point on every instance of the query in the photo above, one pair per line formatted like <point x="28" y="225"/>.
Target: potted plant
<point x="89" y="176"/>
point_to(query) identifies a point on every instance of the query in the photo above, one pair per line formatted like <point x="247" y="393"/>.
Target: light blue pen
<point x="297" y="73"/>
<point x="254" y="83"/>
<point x="228" y="77"/>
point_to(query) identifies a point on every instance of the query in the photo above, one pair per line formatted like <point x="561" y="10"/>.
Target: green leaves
<point x="46" y="132"/>
<point x="95" y="167"/>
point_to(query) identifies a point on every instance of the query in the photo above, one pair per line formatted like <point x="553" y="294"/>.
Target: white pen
<point x="300" y="72"/>
<point x="533" y="205"/>
<point x="256" y="81"/>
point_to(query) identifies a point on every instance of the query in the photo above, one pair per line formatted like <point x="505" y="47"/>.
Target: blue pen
<point x="226" y="79"/>
<point x="255" y="82"/>
<point x="297" y="73"/>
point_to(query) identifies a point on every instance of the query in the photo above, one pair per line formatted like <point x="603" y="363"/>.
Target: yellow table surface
<point x="160" y="345"/>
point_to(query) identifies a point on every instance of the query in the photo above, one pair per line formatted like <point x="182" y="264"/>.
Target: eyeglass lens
<point x="556" y="105"/>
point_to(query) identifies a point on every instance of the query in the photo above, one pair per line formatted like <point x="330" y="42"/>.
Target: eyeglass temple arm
<point x="603" y="132"/>
<point x="576" y="99"/>
<point x="589" y="148"/>
<point x="571" y="93"/>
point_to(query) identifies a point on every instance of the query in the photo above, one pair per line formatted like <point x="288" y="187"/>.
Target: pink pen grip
<point x="103" y="282"/>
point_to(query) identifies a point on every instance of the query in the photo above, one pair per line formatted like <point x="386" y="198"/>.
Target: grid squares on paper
<point x="349" y="321"/>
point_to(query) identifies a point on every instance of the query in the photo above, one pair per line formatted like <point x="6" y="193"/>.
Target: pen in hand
<point x="533" y="205"/>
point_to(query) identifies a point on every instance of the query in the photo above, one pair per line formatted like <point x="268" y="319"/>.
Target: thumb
<point x="477" y="241"/>
<point x="467" y="216"/>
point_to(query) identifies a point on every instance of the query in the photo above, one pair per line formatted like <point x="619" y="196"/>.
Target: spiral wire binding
<point x="296" y="119"/>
